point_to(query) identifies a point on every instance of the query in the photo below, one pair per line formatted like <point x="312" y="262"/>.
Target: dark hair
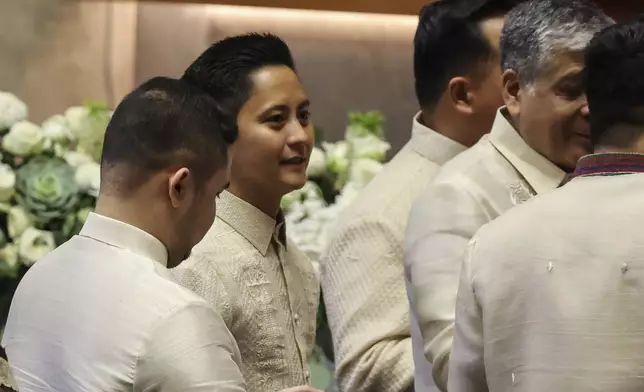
<point x="224" y="70"/>
<point x="615" y="82"/>
<point x="161" y="123"/>
<point x="537" y="29"/>
<point x="449" y="42"/>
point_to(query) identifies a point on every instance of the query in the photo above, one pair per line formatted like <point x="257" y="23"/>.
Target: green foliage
<point x="47" y="188"/>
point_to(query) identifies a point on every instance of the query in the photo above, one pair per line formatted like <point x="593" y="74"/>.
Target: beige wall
<point x="346" y="61"/>
<point x="57" y="53"/>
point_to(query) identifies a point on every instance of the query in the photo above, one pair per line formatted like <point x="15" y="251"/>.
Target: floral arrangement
<point x="49" y="179"/>
<point x="337" y="172"/>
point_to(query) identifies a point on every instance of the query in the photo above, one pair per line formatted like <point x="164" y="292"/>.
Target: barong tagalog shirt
<point x="102" y="313"/>
<point x="550" y="297"/>
<point x="496" y="174"/>
<point x="265" y="289"/>
<point x="363" y="280"/>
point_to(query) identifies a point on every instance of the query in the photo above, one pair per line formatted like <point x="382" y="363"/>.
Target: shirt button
<point x="307" y="374"/>
<point x="296" y="317"/>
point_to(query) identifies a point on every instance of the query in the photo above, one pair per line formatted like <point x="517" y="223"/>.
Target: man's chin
<point x="292" y="183"/>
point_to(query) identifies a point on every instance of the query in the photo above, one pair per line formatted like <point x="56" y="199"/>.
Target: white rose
<point x="33" y="244"/>
<point x="77" y="117"/>
<point x="9" y="253"/>
<point x="370" y="146"/>
<point x="7" y="182"/>
<point x="12" y="110"/>
<point x="317" y="163"/>
<point x="337" y="156"/>
<point x="18" y="220"/>
<point x="88" y="177"/>
<point x="76" y="159"/>
<point x="56" y="129"/>
<point x="24" y="138"/>
<point x="363" y="170"/>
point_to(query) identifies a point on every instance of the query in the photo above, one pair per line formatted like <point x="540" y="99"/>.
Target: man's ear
<point x="181" y="187"/>
<point x="460" y="94"/>
<point x="511" y="91"/>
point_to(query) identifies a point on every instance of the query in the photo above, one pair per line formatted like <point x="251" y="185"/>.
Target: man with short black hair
<point x="537" y="138"/>
<point x="101" y="312"/>
<point x="264" y="287"/>
<point x="550" y="296"/>
<point x="456" y="67"/>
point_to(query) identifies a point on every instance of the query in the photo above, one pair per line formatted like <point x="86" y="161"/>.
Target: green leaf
<point x="372" y="121"/>
<point x="96" y="107"/>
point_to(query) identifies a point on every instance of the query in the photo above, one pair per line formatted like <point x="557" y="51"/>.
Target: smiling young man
<point x="536" y="139"/>
<point x="265" y="289"/>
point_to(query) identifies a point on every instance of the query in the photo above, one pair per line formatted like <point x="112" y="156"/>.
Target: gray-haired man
<point x="536" y="139"/>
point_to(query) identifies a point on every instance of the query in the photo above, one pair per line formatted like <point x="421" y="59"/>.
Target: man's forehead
<point x="563" y="64"/>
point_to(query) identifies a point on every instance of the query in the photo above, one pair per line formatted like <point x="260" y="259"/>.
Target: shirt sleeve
<point x="366" y="303"/>
<point x="190" y="350"/>
<point x="466" y="367"/>
<point x="441" y="223"/>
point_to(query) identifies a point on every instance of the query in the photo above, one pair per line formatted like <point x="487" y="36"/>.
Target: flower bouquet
<point x="49" y="179"/>
<point x="337" y="173"/>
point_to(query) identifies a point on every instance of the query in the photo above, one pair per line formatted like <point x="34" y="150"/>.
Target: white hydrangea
<point x="309" y="222"/>
<point x="370" y="147"/>
<point x="25" y="138"/>
<point x="12" y="110"/>
<point x="57" y="129"/>
<point x="317" y="162"/>
<point x="88" y="177"/>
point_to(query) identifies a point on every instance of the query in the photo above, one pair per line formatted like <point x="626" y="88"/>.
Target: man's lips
<point x="293" y="161"/>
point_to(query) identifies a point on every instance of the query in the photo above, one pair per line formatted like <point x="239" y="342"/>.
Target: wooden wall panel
<point x="397" y="7"/>
<point x="619" y="9"/>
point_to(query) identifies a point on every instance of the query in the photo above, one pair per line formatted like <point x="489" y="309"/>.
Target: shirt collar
<point x="432" y="145"/>
<point x="254" y="225"/>
<point x="124" y="236"/>
<point x="610" y="164"/>
<point x="541" y="174"/>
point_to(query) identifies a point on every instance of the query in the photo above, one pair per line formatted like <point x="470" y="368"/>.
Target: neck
<point x="263" y="201"/>
<point x="129" y="211"/>
<point x="442" y="124"/>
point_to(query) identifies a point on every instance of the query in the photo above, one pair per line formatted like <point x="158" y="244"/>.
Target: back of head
<point x="163" y="123"/>
<point x="615" y="84"/>
<point x="224" y="70"/>
<point x="536" y="30"/>
<point x="449" y="42"/>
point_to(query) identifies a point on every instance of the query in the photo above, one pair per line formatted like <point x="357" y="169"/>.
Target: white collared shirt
<point x="101" y="313"/>
<point x="550" y="296"/>
<point x="363" y="274"/>
<point x="477" y="186"/>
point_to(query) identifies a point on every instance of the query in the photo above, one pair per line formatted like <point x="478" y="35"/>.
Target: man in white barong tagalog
<point x="535" y="142"/>
<point x="550" y="297"/>
<point x="101" y="312"/>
